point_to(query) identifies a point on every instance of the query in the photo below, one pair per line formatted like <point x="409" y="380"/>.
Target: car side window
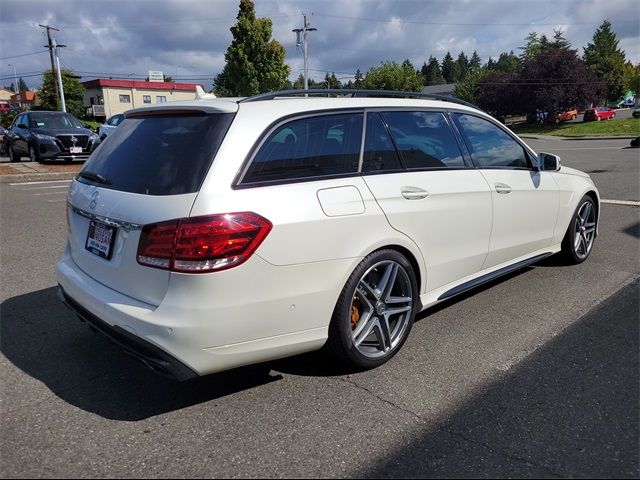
<point x="491" y="146"/>
<point x="424" y="139"/>
<point x="379" y="152"/>
<point x="317" y="146"/>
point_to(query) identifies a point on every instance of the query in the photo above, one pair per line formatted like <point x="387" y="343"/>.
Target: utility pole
<point x="303" y="41"/>
<point x="52" y="56"/>
<point x="64" y="106"/>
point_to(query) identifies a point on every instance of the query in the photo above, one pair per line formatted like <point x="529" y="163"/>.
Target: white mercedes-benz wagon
<point x="211" y="234"/>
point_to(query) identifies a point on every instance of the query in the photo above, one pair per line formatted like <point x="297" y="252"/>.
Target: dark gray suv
<point x="49" y="136"/>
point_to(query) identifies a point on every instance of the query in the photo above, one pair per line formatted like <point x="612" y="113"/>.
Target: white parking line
<point x="57" y="201"/>
<point x="622" y="202"/>
<point x="40" y="182"/>
<point x="49" y="193"/>
<point x="43" y="188"/>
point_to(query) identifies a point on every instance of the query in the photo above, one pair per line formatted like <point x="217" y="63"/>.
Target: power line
<point x="23" y="55"/>
<point x="470" y="24"/>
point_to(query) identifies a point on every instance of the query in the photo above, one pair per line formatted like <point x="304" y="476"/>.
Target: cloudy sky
<point x="187" y="39"/>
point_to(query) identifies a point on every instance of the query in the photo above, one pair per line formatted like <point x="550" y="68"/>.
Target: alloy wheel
<point x="585" y="230"/>
<point x="381" y="309"/>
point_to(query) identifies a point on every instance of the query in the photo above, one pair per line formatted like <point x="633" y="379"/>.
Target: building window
<point x="146" y="98"/>
<point x="161" y="99"/>
<point x="125" y="99"/>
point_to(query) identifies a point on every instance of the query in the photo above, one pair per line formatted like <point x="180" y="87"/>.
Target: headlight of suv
<point x="94" y="138"/>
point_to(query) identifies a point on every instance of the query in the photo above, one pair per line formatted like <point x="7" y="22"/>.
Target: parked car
<point x="3" y="141"/>
<point x="212" y="234"/>
<point x="599" y="113"/>
<point x="636" y="112"/>
<point x="110" y="125"/>
<point x="50" y="136"/>
<point x="565" y="116"/>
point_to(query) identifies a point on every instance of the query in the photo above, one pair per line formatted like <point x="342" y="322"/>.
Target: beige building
<point x="107" y="97"/>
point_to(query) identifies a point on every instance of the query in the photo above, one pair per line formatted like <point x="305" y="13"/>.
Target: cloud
<point x="188" y="38"/>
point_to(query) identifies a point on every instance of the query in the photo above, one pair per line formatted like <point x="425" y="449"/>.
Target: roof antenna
<point x="201" y="95"/>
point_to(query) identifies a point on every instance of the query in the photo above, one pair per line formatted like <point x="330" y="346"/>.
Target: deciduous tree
<point x="392" y="76"/>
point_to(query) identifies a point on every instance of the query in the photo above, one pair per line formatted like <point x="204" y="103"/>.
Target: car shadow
<point x="41" y="337"/>
<point x="633" y="230"/>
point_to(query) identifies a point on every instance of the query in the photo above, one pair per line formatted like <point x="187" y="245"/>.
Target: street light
<point x="15" y="77"/>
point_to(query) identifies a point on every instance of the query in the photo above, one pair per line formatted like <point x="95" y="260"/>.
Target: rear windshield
<point x="160" y="154"/>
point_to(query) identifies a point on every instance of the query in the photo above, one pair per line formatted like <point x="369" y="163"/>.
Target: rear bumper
<point x="150" y="355"/>
<point x="209" y="323"/>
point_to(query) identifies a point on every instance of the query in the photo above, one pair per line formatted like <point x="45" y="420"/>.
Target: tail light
<point x="202" y="244"/>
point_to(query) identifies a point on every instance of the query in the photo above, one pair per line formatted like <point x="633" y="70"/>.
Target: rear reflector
<point x="202" y="244"/>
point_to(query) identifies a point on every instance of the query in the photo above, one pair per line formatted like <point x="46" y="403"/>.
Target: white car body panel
<point x="523" y="219"/>
<point x="451" y="225"/>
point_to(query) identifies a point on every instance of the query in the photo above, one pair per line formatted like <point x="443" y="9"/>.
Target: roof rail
<point x="352" y="93"/>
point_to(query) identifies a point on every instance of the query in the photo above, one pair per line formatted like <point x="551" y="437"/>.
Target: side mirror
<point x="549" y="162"/>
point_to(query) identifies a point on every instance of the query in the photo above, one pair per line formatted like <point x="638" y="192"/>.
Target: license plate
<point x="100" y="239"/>
<point x="75" y="149"/>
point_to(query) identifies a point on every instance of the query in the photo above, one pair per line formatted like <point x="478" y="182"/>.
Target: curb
<point x="552" y="137"/>
<point x="30" y="177"/>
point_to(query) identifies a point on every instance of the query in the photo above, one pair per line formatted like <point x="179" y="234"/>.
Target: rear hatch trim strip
<point x="129" y="226"/>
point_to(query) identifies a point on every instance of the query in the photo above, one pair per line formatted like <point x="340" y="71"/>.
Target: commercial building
<point x="106" y="97"/>
<point x="25" y="100"/>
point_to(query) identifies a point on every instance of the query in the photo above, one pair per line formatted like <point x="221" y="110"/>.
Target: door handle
<point x="503" y="188"/>
<point x="414" y="193"/>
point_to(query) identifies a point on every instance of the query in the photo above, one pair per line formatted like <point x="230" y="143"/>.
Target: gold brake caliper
<point x="355" y="312"/>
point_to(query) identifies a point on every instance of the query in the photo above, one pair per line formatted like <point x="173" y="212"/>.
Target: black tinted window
<point x="424" y="139"/>
<point x="492" y="146"/>
<point x="309" y="147"/>
<point x="379" y="152"/>
<point x="53" y="120"/>
<point x="159" y="155"/>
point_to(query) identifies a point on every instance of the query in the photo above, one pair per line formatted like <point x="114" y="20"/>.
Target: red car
<point x="599" y="113"/>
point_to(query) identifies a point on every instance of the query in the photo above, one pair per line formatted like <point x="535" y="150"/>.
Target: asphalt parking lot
<point x="534" y="375"/>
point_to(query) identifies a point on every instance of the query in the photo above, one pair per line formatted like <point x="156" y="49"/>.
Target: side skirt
<point x="492" y="276"/>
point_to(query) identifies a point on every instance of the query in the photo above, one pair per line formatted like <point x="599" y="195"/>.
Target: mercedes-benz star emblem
<point x="94" y="199"/>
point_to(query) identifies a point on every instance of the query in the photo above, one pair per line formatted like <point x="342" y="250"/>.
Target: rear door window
<point x="311" y="147"/>
<point x="424" y="139"/>
<point x="163" y="154"/>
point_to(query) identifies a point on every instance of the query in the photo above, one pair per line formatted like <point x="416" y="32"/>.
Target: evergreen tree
<point x="605" y="58"/>
<point x="491" y="64"/>
<point x="299" y="83"/>
<point x="462" y="67"/>
<point x="532" y="48"/>
<point x="431" y="72"/>
<point x="559" y="42"/>
<point x="358" y="79"/>
<point x="73" y="92"/>
<point x="254" y="61"/>
<point x="476" y="62"/>
<point x="448" y="68"/>
<point x="508" y="63"/>
<point x="22" y="85"/>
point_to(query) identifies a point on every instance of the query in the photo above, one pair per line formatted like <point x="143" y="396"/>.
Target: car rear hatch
<point x="148" y="170"/>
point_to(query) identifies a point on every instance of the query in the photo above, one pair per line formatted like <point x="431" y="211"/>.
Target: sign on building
<point x="156" y="76"/>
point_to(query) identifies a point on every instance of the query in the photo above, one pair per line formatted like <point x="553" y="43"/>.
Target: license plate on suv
<point x="100" y="239"/>
<point x="75" y="149"/>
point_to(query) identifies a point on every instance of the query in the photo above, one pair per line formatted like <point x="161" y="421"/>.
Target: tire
<point x="33" y="154"/>
<point x="598" y="119"/>
<point x="13" y="157"/>
<point x="363" y="333"/>
<point x="581" y="233"/>
<point x="573" y="117"/>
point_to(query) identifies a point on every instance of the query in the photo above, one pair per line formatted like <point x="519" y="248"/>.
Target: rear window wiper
<point x="95" y="177"/>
